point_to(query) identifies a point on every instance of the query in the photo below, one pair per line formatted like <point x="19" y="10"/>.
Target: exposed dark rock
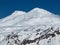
<point x="27" y="41"/>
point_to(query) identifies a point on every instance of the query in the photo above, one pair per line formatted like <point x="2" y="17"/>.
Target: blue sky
<point x="9" y="6"/>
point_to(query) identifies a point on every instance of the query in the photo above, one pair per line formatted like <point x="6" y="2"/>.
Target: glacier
<point x="35" y="27"/>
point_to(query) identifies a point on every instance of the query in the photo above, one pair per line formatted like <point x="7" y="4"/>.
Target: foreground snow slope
<point x="36" y="27"/>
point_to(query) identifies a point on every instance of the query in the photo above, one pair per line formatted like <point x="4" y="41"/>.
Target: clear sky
<point x="9" y="6"/>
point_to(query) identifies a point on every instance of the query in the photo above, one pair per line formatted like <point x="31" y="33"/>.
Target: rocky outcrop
<point x="14" y="38"/>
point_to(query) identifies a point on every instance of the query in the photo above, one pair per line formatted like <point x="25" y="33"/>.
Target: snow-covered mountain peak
<point x="33" y="17"/>
<point x="40" y="10"/>
<point x="18" y="12"/>
<point x="39" y="16"/>
<point x="13" y="15"/>
<point x="13" y="18"/>
<point x="36" y="27"/>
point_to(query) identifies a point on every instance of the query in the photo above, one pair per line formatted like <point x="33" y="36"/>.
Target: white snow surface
<point x="30" y="26"/>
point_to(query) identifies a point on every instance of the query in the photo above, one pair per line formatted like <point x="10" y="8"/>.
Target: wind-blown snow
<point x="36" y="27"/>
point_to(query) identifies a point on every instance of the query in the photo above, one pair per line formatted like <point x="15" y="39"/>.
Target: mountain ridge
<point x="36" y="27"/>
<point x="21" y="16"/>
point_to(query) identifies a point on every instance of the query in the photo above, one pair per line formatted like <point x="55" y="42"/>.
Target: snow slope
<point x="13" y="18"/>
<point x="36" y="27"/>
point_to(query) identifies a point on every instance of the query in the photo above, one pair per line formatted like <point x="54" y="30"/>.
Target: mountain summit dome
<point x="33" y="17"/>
<point x="40" y="10"/>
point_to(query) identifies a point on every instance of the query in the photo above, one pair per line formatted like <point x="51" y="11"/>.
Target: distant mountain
<point x="13" y="18"/>
<point x="40" y="16"/>
<point x="35" y="16"/>
<point x="36" y="27"/>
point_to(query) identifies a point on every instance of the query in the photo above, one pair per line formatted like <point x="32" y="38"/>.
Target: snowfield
<point x="36" y="27"/>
